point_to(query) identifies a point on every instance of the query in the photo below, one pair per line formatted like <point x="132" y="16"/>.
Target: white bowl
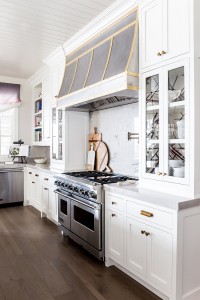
<point x="179" y="172"/>
<point x="42" y="160"/>
<point x="174" y="163"/>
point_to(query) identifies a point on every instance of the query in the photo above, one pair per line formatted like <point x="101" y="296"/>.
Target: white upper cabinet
<point x="151" y="33"/>
<point x="46" y="90"/>
<point x="164" y="30"/>
<point x="165" y="123"/>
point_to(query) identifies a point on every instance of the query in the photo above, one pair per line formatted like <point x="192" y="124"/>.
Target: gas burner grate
<point x="99" y="177"/>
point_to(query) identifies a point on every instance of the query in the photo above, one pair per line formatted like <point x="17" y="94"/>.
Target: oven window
<point x="84" y="217"/>
<point x="63" y="206"/>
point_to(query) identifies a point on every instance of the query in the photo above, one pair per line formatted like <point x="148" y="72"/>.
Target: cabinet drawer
<point x="115" y="203"/>
<point x="150" y="214"/>
<point x="46" y="179"/>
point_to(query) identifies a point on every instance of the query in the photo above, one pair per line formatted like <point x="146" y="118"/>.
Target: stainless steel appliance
<point x="81" y="207"/>
<point x="11" y="185"/>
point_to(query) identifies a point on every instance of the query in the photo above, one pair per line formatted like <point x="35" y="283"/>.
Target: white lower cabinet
<point x="137" y="241"/>
<point x="136" y="246"/>
<point x="115" y="238"/>
<point x="34" y="189"/>
<point x="40" y="193"/>
<point x="159" y="249"/>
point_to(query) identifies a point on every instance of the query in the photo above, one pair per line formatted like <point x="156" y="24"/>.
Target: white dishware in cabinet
<point x="161" y="113"/>
<point x="164" y="30"/>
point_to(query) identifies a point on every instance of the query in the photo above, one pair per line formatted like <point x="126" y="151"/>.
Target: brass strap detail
<point x="108" y="59"/>
<point x="146" y="213"/>
<point x="88" y="72"/>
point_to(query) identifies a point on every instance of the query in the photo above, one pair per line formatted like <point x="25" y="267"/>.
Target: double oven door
<point x="82" y="218"/>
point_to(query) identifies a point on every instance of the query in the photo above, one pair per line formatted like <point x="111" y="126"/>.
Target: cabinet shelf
<point x="177" y="141"/>
<point x="153" y="141"/>
<point x="38" y="113"/>
<point x="177" y="104"/>
<point x="153" y="107"/>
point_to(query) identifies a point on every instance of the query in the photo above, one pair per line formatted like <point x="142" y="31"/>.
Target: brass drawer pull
<point x="114" y="203"/>
<point x="146" y="213"/>
<point x="29" y="172"/>
<point x="159" y="54"/>
<point x="142" y="232"/>
<point x="46" y="189"/>
<point x="163" y="52"/>
<point x="113" y="215"/>
<point x="33" y="182"/>
<point x="36" y="175"/>
<point x="160" y="173"/>
<point x="147" y="233"/>
<point x="46" y="179"/>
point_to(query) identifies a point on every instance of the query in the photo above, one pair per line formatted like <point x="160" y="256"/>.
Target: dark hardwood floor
<point x="37" y="263"/>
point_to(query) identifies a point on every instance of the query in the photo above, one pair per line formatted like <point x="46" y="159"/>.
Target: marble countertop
<point x="150" y="197"/>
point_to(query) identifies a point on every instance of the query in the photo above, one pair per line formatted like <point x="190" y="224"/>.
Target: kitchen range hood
<point x="103" y="72"/>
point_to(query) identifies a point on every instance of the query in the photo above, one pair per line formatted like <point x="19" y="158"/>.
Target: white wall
<point x="114" y="124"/>
<point x="25" y="116"/>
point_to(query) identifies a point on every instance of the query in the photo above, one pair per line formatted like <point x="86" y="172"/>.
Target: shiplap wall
<point x="114" y="124"/>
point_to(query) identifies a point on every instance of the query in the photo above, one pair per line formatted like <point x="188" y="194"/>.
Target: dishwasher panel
<point x="11" y="186"/>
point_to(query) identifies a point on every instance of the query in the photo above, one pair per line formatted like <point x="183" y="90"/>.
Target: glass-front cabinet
<point x="57" y="134"/>
<point x="165" y="126"/>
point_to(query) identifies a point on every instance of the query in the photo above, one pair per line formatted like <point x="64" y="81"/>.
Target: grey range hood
<point x="103" y="72"/>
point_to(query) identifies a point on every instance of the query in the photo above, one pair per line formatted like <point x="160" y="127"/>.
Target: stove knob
<point x="66" y="185"/>
<point x="56" y="182"/>
<point x="62" y="184"/>
<point x="82" y="191"/>
<point x="59" y="183"/>
<point x="70" y="187"/>
<point x="76" y="189"/>
<point x="92" y="194"/>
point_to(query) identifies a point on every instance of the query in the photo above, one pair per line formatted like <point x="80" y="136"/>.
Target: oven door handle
<point x="74" y="199"/>
<point x="85" y="204"/>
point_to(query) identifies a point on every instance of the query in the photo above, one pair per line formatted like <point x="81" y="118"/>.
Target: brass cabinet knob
<point x="164" y="174"/>
<point x="159" y="54"/>
<point x="147" y="233"/>
<point x="160" y="173"/>
<point x="114" y="203"/>
<point x="36" y="175"/>
<point x="113" y="215"/>
<point x="142" y="232"/>
<point x="163" y="52"/>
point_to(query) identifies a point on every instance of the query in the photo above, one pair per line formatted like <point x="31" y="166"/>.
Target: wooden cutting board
<point x="101" y="152"/>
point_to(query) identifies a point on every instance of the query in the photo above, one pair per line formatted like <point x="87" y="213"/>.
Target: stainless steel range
<point x="81" y="207"/>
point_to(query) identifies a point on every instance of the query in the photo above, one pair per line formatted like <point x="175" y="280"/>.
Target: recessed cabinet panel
<point x="136" y="246"/>
<point x="176" y="27"/>
<point x="115" y="230"/>
<point x="151" y="28"/>
<point x="159" y="258"/>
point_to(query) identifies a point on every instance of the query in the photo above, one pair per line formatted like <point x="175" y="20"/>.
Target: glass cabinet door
<point x="176" y="122"/>
<point x="57" y="134"/>
<point x="152" y="96"/>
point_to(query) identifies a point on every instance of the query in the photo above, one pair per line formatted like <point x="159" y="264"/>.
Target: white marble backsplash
<point x="114" y="124"/>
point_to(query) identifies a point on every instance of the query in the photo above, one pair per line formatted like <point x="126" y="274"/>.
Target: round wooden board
<point x="101" y="156"/>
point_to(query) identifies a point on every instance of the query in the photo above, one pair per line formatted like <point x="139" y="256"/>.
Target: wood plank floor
<point x="37" y="263"/>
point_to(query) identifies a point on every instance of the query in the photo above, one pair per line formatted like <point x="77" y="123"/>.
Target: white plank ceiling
<point x="31" y="29"/>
